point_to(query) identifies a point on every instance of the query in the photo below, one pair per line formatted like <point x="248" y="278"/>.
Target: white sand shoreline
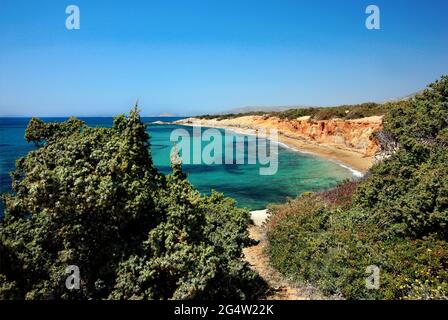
<point x="355" y="173"/>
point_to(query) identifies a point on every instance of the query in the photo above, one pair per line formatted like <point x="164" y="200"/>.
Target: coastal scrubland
<point x="90" y="199"/>
<point x="394" y="219"/>
<point x="356" y="111"/>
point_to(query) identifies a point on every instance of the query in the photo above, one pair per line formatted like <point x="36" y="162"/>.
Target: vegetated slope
<point x="396" y="218"/>
<point x="91" y="197"/>
<point x="316" y="113"/>
<point x="255" y="109"/>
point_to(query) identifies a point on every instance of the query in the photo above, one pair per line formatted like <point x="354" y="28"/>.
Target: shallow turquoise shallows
<point x="297" y="172"/>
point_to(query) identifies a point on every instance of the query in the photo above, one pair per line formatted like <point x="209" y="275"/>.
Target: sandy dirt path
<point x="256" y="256"/>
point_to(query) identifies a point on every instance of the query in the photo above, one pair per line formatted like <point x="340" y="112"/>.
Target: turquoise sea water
<point x="297" y="172"/>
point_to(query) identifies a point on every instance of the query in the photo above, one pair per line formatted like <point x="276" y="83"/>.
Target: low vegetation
<point x="91" y="198"/>
<point x="395" y="218"/>
<point x="316" y="113"/>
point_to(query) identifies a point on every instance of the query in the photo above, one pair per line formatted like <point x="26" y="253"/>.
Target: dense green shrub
<point x="40" y="132"/>
<point x="422" y="122"/>
<point x="317" y="113"/>
<point x="91" y="197"/>
<point x="397" y="218"/>
<point x="408" y="198"/>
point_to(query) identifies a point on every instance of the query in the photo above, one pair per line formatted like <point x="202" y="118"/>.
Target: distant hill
<point x="167" y="115"/>
<point x="250" y="109"/>
<point x="409" y="96"/>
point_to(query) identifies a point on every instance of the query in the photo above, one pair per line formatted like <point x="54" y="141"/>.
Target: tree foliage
<point x="396" y="219"/>
<point x="91" y="197"/>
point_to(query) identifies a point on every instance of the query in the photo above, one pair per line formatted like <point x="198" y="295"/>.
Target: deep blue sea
<point x="297" y="172"/>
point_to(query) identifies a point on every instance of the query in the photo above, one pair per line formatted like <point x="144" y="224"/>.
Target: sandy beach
<point x="351" y="159"/>
<point x="358" y="162"/>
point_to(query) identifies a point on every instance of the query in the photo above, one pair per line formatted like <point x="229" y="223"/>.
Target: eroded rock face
<point x="354" y="135"/>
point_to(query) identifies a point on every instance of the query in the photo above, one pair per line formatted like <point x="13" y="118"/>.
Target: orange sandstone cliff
<point x="354" y="135"/>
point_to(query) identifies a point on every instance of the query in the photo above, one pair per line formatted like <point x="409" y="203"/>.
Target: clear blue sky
<point x="194" y="56"/>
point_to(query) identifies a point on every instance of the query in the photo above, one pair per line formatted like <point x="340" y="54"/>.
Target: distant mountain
<point x="283" y="108"/>
<point x="409" y="96"/>
<point x="167" y="115"/>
